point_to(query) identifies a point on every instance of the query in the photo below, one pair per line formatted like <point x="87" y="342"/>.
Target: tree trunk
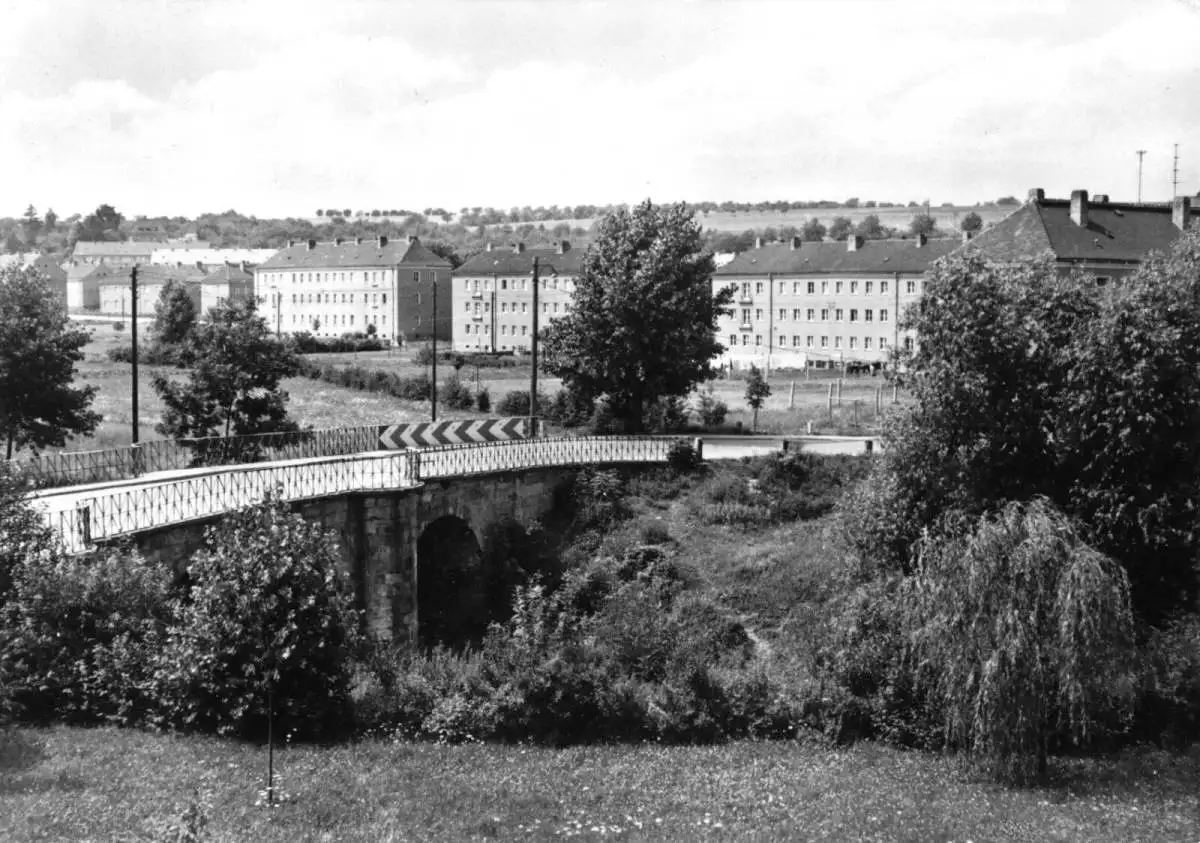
<point x="10" y="446"/>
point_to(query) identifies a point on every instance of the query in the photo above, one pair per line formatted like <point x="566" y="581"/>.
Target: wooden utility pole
<point x="133" y="297"/>
<point x="1140" y="154"/>
<point x="533" y="407"/>
<point x="433" y="382"/>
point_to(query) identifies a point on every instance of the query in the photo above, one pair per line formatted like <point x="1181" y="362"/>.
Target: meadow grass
<point x="68" y="783"/>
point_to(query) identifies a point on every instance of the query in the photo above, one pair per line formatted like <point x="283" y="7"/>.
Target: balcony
<point x="745" y="326"/>
<point x="476" y="294"/>
<point x="476" y="317"/>
<point x="745" y="298"/>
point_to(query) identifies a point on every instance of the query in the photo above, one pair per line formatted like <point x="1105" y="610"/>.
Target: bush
<point x="516" y="403"/>
<point x="268" y="610"/>
<point x="82" y="636"/>
<point x="483" y="400"/>
<point x="455" y="394"/>
<point x="306" y="343"/>
<point x="682" y="457"/>
<point x="711" y="410"/>
<point x="1168" y="705"/>
<point x="599" y="498"/>
<point x="152" y="354"/>
<point x="570" y="408"/>
<point x="666" y="415"/>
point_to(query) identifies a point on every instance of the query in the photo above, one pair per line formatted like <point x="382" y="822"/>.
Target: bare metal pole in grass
<point x="534" y="354"/>
<point x="433" y="383"/>
<point x="133" y="296"/>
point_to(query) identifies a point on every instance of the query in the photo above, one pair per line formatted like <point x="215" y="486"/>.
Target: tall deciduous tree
<point x="233" y="388"/>
<point x="870" y="228"/>
<point x="644" y="322"/>
<point x="813" y="230"/>
<point x="174" y="313"/>
<point x="923" y="224"/>
<point x="971" y="223"/>
<point x="39" y="406"/>
<point x="103" y="224"/>
<point x="840" y="228"/>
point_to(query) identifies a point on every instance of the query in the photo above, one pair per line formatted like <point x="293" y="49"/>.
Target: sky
<point x="179" y="107"/>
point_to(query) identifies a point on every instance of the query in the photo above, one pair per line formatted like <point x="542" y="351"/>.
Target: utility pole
<point x="1140" y="154"/>
<point x="533" y="352"/>
<point x="433" y="382"/>
<point x="1175" y="174"/>
<point x="133" y="296"/>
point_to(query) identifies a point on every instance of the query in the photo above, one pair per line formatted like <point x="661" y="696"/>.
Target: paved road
<point x="737" y="447"/>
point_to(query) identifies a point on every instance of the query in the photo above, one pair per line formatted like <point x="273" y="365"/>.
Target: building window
<point x="837" y="342"/>
<point x="467" y="306"/>
<point x="556" y="307"/>
<point x="384" y="298"/>
<point x="782" y="315"/>
<point x="475" y="285"/>
<point x="758" y="314"/>
<point x="467" y="285"/>
<point x="745" y="316"/>
<point x="837" y="287"/>
<point x="910" y="287"/>
<point x="795" y="288"/>
<point x="293" y="298"/>
<point x="733" y="339"/>
<point x="524" y="283"/>
<point x="809" y="314"/>
<point x="854" y="288"/>
<point x="853" y="343"/>
<point x="781" y="288"/>
<point x="908" y="343"/>
<point x="503" y="283"/>
<point x="808" y="341"/>
<point x="758" y="339"/>
<point x="867" y="314"/>
<point x="824" y="287"/>
<point x="745" y="339"/>
<point x="795" y="315"/>
<point x="1102" y="280"/>
<point x="866" y="343"/>
<point x="853" y="314"/>
<point x="839" y="315"/>
<point x="524" y="306"/>
<point x="504" y="330"/>
<point x="351" y="318"/>
<point x="524" y="328"/>
<point x="417" y="278"/>
<point x="824" y="314"/>
<point x="883" y="314"/>
<point x="504" y="307"/>
<point x="795" y="340"/>
<point x="883" y="343"/>
<point x="883" y="288"/>
<point x="487" y="285"/>
<point x="867" y="287"/>
<point x="545" y="307"/>
<point x="758" y="288"/>
<point x="824" y="342"/>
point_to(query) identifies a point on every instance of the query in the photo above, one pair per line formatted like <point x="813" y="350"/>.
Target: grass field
<point x="107" y="784"/>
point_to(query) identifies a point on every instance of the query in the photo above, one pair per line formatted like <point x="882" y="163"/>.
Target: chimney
<point x="1181" y="211"/>
<point x="921" y="239"/>
<point x="312" y="244"/>
<point x="1036" y="194"/>
<point x="1098" y="198"/>
<point x="487" y="247"/>
<point x="563" y="247"/>
<point x="758" y="242"/>
<point x="796" y="241"/>
<point x="337" y="241"/>
<point x="291" y="243"/>
<point x="1079" y="208"/>
<point x="519" y="248"/>
<point x="966" y="237"/>
<point x="357" y="241"/>
<point x="853" y="243"/>
<point x="383" y="241"/>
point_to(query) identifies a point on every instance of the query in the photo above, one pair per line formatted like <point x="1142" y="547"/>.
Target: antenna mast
<point x="1140" y="154"/>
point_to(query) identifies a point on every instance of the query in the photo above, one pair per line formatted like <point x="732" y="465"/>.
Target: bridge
<point x="414" y="526"/>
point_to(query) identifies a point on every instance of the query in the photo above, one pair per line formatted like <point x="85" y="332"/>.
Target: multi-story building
<point x="493" y="295"/>
<point x="51" y="271"/>
<point x="228" y="282"/>
<point x="1107" y="239"/>
<point x="822" y="304"/>
<point x="345" y="286"/>
<point x="112" y="252"/>
<point x="115" y="287"/>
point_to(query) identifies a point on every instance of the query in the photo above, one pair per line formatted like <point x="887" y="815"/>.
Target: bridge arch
<point x="451" y="602"/>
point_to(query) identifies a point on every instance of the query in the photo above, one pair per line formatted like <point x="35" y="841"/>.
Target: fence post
<point x="698" y="445"/>
<point x="414" y="465"/>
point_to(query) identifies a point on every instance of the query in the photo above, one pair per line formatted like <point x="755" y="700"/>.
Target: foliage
<point x="570" y="408"/>
<point x="39" y="348"/>
<point x="682" y="457"/>
<point x="668" y="414"/>
<point x="455" y="394"/>
<point x="103" y="224"/>
<point x="923" y="224"/>
<point x="233" y="388"/>
<point x="516" y="403"/>
<point x="23" y="533"/>
<point x="174" y="313"/>
<point x="813" y="231"/>
<point x="840" y="228"/>
<point x="757" y="391"/>
<point x="268" y="610"/>
<point x="971" y="223"/>
<point x="711" y="410"/>
<point x="1027" y="383"/>
<point x="483" y="400"/>
<point x="1022" y="634"/>
<point x="870" y="228"/>
<point x="416" y="388"/>
<point x="82" y="634"/>
<point x="643" y="323"/>
<point x="306" y="343"/>
<point x="1168" y="705"/>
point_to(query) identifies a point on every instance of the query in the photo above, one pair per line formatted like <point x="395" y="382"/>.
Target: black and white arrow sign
<point x="433" y="434"/>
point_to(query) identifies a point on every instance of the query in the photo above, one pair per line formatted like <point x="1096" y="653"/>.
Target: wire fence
<point x="83" y="518"/>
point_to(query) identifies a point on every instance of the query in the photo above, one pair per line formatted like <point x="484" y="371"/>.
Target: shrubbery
<point x="416" y="388"/>
<point x="306" y="343"/>
<point x="455" y="394"/>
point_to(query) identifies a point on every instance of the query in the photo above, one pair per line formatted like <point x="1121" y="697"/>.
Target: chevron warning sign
<point x="432" y="434"/>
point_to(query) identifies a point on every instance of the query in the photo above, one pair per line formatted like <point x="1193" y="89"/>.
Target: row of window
<point x="478" y="308"/>
<point x="331" y="298"/>
<point x="373" y="276"/>
<point x="837" y="287"/>
<point x="326" y="319"/>
<point x="810" y="315"/>
<point x="868" y="343"/>
<point x="471" y="285"/>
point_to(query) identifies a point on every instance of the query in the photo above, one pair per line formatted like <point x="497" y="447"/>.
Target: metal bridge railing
<point x="463" y="460"/>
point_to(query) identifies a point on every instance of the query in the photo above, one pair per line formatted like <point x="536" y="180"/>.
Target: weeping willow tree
<point x="1021" y="635"/>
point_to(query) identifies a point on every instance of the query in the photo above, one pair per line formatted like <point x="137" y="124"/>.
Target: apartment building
<point x="229" y="282"/>
<point x="115" y="291"/>
<point x="821" y="304"/>
<point x="1107" y="239"/>
<point x="492" y="302"/>
<point x="112" y="252"/>
<point x="345" y="286"/>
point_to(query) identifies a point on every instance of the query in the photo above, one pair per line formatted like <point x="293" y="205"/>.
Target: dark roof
<point x="95" y="271"/>
<point x="153" y="274"/>
<point x="514" y="262"/>
<point x="821" y="258"/>
<point x="348" y="253"/>
<point x="1116" y="231"/>
<point x="230" y="272"/>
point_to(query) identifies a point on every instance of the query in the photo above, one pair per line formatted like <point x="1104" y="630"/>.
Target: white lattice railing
<point x="83" y="518"/>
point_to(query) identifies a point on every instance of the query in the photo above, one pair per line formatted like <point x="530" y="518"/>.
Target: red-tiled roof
<point x="348" y="253"/>
<point x="821" y="258"/>
<point x="514" y="262"/>
<point x="1115" y="232"/>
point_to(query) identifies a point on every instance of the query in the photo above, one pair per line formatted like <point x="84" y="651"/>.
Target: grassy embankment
<point x="108" y="784"/>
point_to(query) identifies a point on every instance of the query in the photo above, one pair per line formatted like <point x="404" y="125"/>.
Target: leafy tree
<point x="12" y="244"/>
<point x="1008" y="200"/>
<point x="871" y="228"/>
<point x="320" y="212"/>
<point x="446" y="250"/>
<point x="1030" y="384"/>
<point x="757" y="391"/>
<point x="103" y="224"/>
<point x="50" y="221"/>
<point x="923" y="224"/>
<point x="813" y="230"/>
<point x="39" y="348"/>
<point x="971" y="223"/>
<point x="31" y="224"/>
<point x="233" y="388"/>
<point x="840" y="228"/>
<point x="1023" y="636"/>
<point x="174" y="313"/>
<point x="644" y="321"/>
<point x="269" y="611"/>
<point x="852" y="202"/>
